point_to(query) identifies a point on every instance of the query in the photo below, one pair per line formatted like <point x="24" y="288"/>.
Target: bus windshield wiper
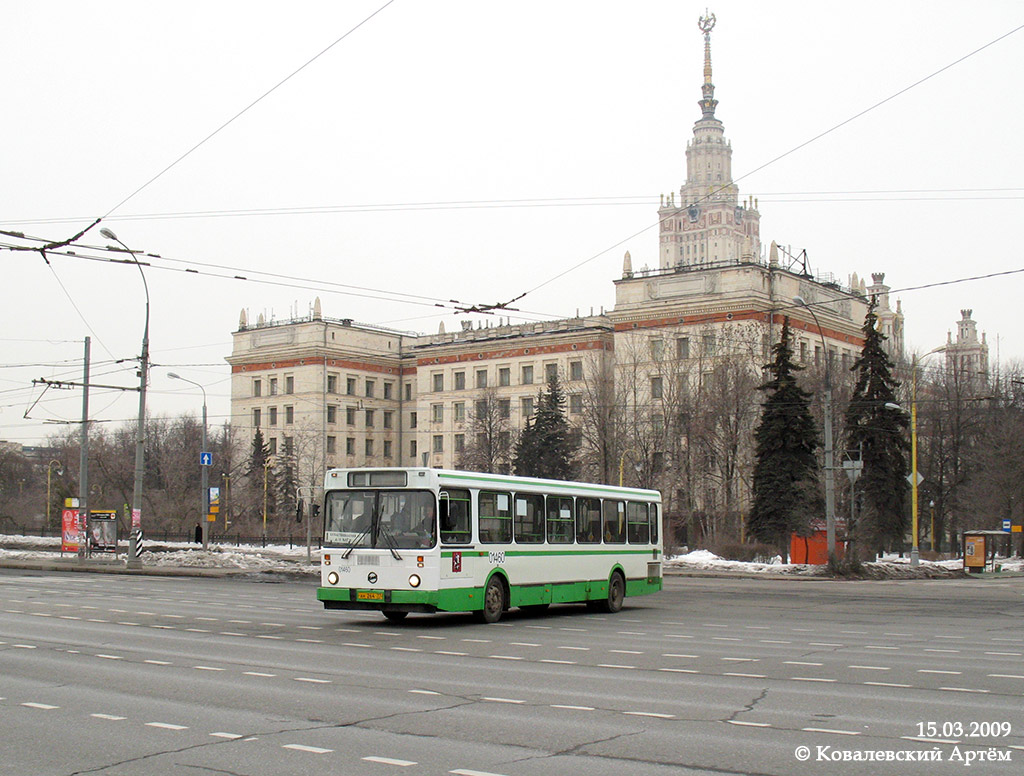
<point x="354" y="543"/>
<point x="389" y="539"/>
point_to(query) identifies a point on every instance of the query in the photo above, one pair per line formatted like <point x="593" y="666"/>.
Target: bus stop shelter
<point x="980" y="548"/>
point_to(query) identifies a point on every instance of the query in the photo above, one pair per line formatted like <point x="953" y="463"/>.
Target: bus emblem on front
<point x="456" y="562"/>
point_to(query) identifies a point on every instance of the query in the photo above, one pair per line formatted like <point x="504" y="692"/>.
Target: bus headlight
<point x="332" y="578"/>
<point x="414" y="580"/>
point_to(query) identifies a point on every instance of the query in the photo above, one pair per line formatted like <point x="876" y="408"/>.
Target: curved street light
<point x="140" y="439"/>
<point x="49" y="497"/>
<point x="830" y="485"/>
<point x="204" y="501"/>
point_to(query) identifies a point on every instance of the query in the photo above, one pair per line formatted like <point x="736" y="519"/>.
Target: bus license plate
<point x="369" y="595"/>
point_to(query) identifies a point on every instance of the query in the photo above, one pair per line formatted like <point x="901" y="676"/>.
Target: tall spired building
<point x="707" y="224"/>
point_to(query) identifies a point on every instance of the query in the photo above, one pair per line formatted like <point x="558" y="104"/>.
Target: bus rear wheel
<point x="616" y="594"/>
<point x="494" y="601"/>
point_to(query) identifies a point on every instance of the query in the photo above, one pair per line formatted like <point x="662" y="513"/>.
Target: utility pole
<point x="83" y="463"/>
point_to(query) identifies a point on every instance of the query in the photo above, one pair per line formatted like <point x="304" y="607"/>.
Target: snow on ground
<point x="280" y="558"/>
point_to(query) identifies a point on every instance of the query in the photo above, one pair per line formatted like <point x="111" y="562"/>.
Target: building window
<point x="273" y="386"/>
<point x="272" y="420"/>
<point x="408" y="391"/>
<point x="388" y="390"/>
<point x="480" y="409"/>
<point x="657" y="349"/>
<point x="289" y="446"/>
<point x="658" y="423"/>
<point x="387" y="448"/>
<point x="504" y="408"/>
<point x="272" y="445"/>
<point x="332" y="445"/>
<point x="350" y="415"/>
<point x="656" y="388"/>
<point x="436" y="413"/>
<point x="527" y="406"/>
<point x="575" y="370"/>
<point x="682" y="347"/>
<point x="332" y="383"/>
<point x="460" y="443"/>
<point x="412" y="450"/>
<point x="460" y="381"/>
<point x="256" y="418"/>
<point x="481" y="378"/>
<point x="412" y="420"/>
<point x="575" y="404"/>
<point x="550" y="372"/>
<point x="460" y="411"/>
<point x="369" y="418"/>
<point x="289" y="414"/>
<point x="257" y="387"/>
<point x="803" y="352"/>
<point x="350" y="386"/>
<point x="387" y="418"/>
<point x="369" y="388"/>
<point x="505" y="376"/>
<point x="350" y="446"/>
<point x="708" y="344"/>
<point x="438" y="382"/>
<point x="368" y="447"/>
<point x="332" y="413"/>
<point x="527" y="375"/>
<point x="438" y="443"/>
<point x="289" y="384"/>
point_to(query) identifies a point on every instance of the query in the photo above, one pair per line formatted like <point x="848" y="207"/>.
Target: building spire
<point x="708" y="102"/>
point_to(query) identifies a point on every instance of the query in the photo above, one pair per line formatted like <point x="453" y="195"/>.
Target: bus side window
<point x="455" y="516"/>
<point x="560" y="520"/>
<point x="614" y="522"/>
<point x="638" y="529"/>
<point x="588" y="520"/>
<point x="655" y="522"/>
<point x="495" y="517"/>
<point x="529" y="518"/>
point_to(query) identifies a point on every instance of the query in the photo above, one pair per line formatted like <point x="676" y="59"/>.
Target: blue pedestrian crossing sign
<point x="206" y="459"/>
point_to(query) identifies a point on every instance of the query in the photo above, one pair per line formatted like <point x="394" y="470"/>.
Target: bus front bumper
<point x="393" y="600"/>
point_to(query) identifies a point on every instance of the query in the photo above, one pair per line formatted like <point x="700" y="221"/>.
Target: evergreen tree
<point x="545" y="447"/>
<point x="878" y="434"/>
<point x="786" y="494"/>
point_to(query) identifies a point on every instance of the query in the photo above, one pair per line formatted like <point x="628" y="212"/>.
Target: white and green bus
<point x="430" y="540"/>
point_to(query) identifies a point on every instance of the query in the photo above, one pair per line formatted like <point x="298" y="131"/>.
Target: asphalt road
<point x="149" y="675"/>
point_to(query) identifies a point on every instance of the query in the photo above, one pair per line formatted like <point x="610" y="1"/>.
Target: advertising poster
<point x="70" y="532"/>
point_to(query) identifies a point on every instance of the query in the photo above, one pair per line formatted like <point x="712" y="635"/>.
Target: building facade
<point x="641" y="380"/>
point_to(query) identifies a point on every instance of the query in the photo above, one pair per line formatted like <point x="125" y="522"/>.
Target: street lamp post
<point x="204" y="501"/>
<point x="134" y="561"/>
<point x="49" y="497"/>
<point x="830" y="485"/>
<point x="266" y="469"/>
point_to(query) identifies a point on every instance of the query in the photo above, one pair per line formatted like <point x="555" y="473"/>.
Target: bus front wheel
<point x="616" y="594"/>
<point x="494" y="601"/>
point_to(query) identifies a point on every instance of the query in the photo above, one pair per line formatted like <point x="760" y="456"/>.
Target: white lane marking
<point x="467" y="772"/>
<point x="937" y="671"/>
<point x="745" y="676"/>
<point x="677" y="636"/>
<point x="424" y="692"/>
<point x="207" y="619"/>
<point x="273" y="624"/>
<point x="346" y="644"/>
<point x="258" y="673"/>
<point x="747" y="724"/>
<point x="963" y="689"/>
<point x="630" y="633"/>
<point x="432" y="638"/>
<point x="950" y="637"/>
<point x="612" y="665"/>
<point x="310" y="627"/>
<point x="501" y="700"/>
<point x="166" y="726"/>
<point x="241" y="622"/>
<point x="680" y="670"/>
<point x="1006" y="654"/>
<point x="886" y="684"/>
<point x="310" y="641"/>
<point x="263" y="636"/>
<point x="158" y="662"/>
<point x="575" y="630"/>
<point x="713" y="625"/>
<point x="540" y="627"/>
<point x="571" y="708"/>
<point x="725" y="638"/>
<point x="1006" y="676"/>
<point x="800" y="663"/>
<point x="823" y="644"/>
<point x="310" y="749"/>
<point x="446" y="652"/>
<point x="831" y="730"/>
<point x="948" y="651"/>
<point x="859" y="633"/>
<point x="229" y="736"/>
<point x="232" y="633"/>
<point x="774" y="641"/>
<point x="742" y="659"/>
<point x="809" y="679"/>
<point x="871" y="668"/>
<point x="625" y="652"/>
<point x="24" y="646"/>
<point x="757" y="627"/>
<point x="390" y="761"/>
<point x="504" y="657"/>
<point x="930" y="740"/>
<point x="578" y="649"/>
<point x="677" y="655"/>
<point x="523" y="644"/>
<point x="207" y="668"/>
<point x="111" y="717"/>
<point x="111" y="657"/>
<point x="878" y="646"/>
<point x="406" y="649"/>
<point x="43" y="706"/>
<point x="477" y="641"/>
<point x="654" y="714"/>
<point x="559" y="662"/>
<point x="312" y="680"/>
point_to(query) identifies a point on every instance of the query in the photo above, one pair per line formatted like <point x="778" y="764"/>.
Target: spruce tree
<point x="545" y="446"/>
<point x="786" y="494"/>
<point x="878" y="433"/>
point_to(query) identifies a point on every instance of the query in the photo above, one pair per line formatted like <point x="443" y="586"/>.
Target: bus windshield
<point x="384" y="519"/>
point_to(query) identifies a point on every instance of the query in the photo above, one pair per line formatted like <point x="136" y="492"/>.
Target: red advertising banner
<point x="70" y="531"/>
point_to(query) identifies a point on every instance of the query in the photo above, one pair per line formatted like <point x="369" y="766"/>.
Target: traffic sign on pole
<point x="206" y="459"/>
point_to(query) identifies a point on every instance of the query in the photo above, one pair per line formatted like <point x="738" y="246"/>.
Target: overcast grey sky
<point x="555" y="126"/>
